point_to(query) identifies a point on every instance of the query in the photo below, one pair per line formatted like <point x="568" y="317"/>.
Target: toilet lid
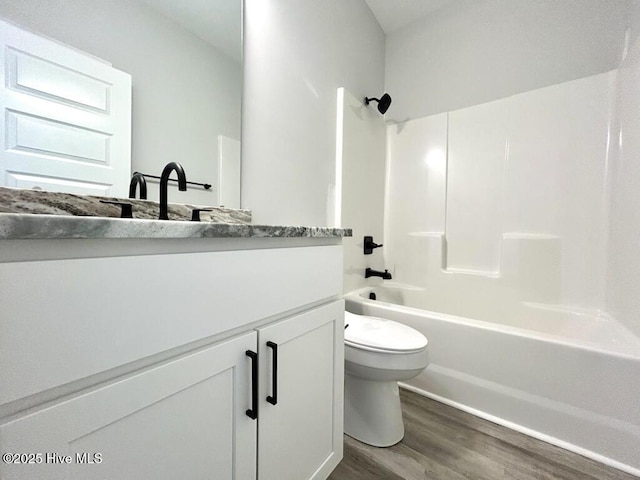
<point x="381" y="334"/>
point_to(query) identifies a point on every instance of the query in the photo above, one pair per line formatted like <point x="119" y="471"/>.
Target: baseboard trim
<point x="525" y="430"/>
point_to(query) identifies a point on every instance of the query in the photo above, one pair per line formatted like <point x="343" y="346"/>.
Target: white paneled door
<point x="66" y="118"/>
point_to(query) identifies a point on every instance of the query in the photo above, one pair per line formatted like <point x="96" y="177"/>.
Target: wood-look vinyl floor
<point x="444" y="443"/>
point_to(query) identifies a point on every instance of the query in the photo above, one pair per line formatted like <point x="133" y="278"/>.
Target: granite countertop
<point x="29" y="214"/>
<point x="35" y="226"/>
<point x="18" y="200"/>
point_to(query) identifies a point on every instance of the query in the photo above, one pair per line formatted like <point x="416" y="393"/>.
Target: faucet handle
<point x="127" y="208"/>
<point x="369" y="245"/>
<point x="195" y="214"/>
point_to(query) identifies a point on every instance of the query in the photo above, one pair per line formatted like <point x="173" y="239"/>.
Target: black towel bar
<point x="206" y="186"/>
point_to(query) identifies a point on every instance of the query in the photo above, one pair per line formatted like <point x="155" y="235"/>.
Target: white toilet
<point x="378" y="353"/>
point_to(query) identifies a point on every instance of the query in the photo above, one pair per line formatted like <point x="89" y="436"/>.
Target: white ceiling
<point x="392" y="15"/>
<point x="217" y="22"/>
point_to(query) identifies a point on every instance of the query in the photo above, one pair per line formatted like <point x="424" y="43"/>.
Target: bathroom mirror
<point x="185" y="62"/>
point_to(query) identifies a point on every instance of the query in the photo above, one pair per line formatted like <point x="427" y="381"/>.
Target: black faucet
<point x="164" y="181"/>
<point x="375" y="273"/>
<point x="138" y="180"/>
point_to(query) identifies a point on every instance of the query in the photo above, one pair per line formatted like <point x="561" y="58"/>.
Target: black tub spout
<point x="369" y="272"/>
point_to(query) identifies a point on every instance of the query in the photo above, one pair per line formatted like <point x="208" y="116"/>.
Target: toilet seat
<point x="381" y="335"/>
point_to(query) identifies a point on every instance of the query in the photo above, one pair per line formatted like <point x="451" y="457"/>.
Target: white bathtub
<point x="568" y="378"/>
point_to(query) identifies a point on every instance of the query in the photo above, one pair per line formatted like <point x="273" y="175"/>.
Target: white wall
<point x="361" y="149"/>
<point x="477" y="51"/>
<point x="623" y="280"/>
<point x="297" y="54"/>
<point x="178" y="112"/>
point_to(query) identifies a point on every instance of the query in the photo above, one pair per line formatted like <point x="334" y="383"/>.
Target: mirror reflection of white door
<point x="65" y="118"/>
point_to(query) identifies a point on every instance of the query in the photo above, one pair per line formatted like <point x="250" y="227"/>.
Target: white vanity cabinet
<point x="181" y="407"/>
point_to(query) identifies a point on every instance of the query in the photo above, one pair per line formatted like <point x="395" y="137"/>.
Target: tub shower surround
<point x="514" y="197"/>
<point x="32" y="214"/>
<point x="505" y="267"/>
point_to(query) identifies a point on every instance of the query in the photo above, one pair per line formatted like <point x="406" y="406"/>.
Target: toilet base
<point x="372" y="412"/>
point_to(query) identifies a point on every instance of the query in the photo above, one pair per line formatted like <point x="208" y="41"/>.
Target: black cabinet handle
<point x="273" y="400"/>
<point x="253" y="411"/>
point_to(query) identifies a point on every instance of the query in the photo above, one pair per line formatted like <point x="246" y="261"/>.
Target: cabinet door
<point x="300" y="437"/>
<point x="181" y="419"/>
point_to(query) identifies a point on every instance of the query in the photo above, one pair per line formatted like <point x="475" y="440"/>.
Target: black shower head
<point x="383" y="102"/>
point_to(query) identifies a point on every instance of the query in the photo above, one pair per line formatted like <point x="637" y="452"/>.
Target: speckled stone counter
<point x="29" y="214"/>
<point x="34" y="226"/>
<point x="16" y="200"/>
